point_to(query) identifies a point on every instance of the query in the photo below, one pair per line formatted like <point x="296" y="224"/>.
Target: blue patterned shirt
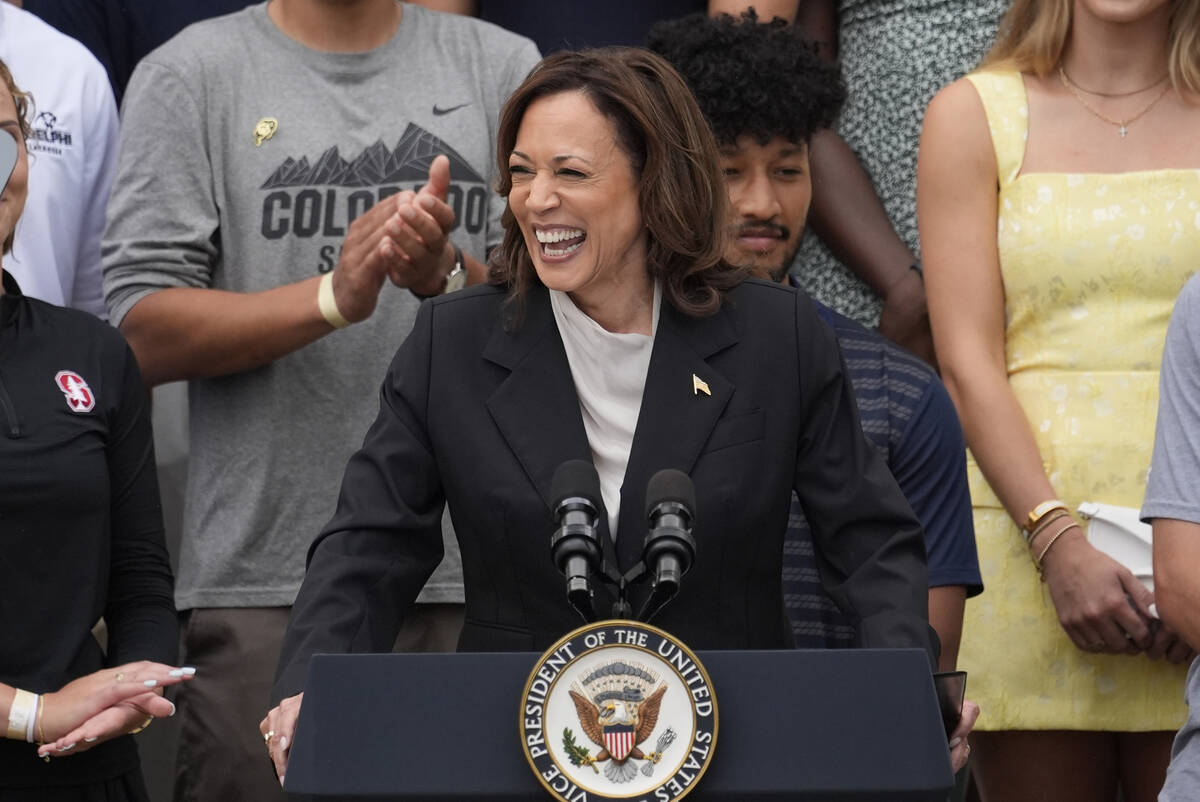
<point x="908" y="415"/>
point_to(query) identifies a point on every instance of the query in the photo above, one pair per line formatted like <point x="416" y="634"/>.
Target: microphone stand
<point x="576" y="551"/>
<point x="621" y="608"/>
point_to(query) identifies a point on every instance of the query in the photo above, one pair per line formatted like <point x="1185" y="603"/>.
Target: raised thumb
<point x="438" y="184"/>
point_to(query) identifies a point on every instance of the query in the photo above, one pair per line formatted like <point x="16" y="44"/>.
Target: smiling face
<point x="12" y="200"/>
<point x="769" y="194"/>
<point x="575" y="197"/>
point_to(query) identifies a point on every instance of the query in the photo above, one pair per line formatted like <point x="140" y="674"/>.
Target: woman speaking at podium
<point x="612" y="331"/>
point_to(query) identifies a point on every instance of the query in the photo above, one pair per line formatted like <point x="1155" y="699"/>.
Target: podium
<point x="844" y="724"/>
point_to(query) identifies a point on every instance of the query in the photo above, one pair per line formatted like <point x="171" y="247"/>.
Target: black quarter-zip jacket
<point x="81" y="534"/>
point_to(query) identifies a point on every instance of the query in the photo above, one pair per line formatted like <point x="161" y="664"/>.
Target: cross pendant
<point x="1122" y="131"/>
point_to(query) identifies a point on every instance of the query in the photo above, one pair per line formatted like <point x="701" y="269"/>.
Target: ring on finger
<point x="267" y="736"/>
<point x="120" y="676"/>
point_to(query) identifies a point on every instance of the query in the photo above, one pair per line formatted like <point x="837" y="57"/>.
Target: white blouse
<point x="609" y="371"/>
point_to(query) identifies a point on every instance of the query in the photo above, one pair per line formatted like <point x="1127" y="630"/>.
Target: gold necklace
<point x="1122" y="125"/>
<point x="1130" y="93"/>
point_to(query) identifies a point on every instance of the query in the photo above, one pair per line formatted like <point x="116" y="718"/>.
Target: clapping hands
<point x="105" y="705"/>
<point x="403" y="238"/>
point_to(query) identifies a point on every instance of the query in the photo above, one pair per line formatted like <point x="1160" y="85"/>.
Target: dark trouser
<point x="126" y="788"/>
<point x="235" y="650"/>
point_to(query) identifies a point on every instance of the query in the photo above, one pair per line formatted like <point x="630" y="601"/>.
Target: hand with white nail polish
<point x="278" y="728"/>
<point x="105" y="705"/>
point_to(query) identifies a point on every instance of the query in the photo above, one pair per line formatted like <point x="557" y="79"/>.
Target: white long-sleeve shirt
<point x="72" y="159"/>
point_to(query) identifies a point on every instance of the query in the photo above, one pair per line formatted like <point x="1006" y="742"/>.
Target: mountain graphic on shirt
<point x="407" y="163"/>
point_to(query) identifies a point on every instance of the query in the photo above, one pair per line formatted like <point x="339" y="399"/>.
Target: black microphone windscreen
<point x="575" y="477"/>
<point x="670" y="485"/>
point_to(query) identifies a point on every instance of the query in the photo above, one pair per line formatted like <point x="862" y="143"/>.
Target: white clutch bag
<point x="1119" y="533"/>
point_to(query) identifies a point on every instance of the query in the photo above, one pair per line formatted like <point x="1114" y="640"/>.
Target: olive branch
<point x="578" y="755"/>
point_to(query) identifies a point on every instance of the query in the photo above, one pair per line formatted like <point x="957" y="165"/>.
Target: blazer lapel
<point x="536" y="407"/>
<point x="677" y="414"/>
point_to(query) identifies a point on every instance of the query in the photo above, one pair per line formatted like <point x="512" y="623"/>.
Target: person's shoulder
<point x="956" y="138"/>
<point x="487" y="37"/>
<point x="213" y="41"/>
<point x="1183" y="334"/>
<point x="470" y="302"/>
<point x="904" y="375"/>
<point x="902" y="367"/>
<point x="75" y="326"/>
<point x="464" y="25"/>
<point x="1188" y="302"/>
<point x="25" y="33"/>
<point x="847" y="326"/>
<point x="756" y="298"/>
<point x="756" y="303"/>
<point x="959" y="98"/>
<point x="83" y="324"/>
<point x="757" y="290"/>
<point x="462" y="321"/>
<point x="479" y="294"/>
<point x="856" y="338"/>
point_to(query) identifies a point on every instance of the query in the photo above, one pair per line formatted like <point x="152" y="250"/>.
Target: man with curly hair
<point x="765" y="93"/>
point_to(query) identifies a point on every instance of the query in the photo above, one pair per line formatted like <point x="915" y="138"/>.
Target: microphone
<point x="575" y="546"/>
<point x="669" y="549"/>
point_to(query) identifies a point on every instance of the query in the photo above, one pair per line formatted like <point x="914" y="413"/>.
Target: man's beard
<point x="777" y="271"/>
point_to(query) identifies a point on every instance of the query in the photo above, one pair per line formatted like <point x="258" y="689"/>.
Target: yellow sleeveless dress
<point x="1092" y="265"/>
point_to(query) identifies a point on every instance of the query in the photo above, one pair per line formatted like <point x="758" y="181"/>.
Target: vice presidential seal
<point x="618" y="710"/>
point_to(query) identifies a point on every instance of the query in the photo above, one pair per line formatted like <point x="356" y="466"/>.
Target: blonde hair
<point x="1033" y="36"/>
<point x="22" y="101"/>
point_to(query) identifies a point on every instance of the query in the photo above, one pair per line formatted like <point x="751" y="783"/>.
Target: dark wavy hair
<point x="751" y="78"/>
<point x="681" y="194"/>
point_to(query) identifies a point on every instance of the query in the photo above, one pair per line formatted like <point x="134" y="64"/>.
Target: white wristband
<point x="32" y="719"/>
<point x="21" y="715"/>
<point x="328" y="304"/>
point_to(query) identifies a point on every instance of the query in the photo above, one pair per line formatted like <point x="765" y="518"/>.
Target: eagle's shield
<point x="618" y="740"/>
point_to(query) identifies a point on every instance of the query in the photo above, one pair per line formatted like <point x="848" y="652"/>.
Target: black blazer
<point x="481" y="417"/>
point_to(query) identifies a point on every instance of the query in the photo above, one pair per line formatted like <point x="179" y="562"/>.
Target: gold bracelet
<point x="1043" y="524"/>
<point x="40" y="719"/>
<point x="1053" y="539"/>
<point x="1037" y="512"/>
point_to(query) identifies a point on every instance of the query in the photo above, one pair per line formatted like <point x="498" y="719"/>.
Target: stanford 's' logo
<point x="79" y="395"/>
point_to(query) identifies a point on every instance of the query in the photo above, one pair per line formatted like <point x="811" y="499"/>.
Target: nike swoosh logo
<point x="439" y="112"/>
